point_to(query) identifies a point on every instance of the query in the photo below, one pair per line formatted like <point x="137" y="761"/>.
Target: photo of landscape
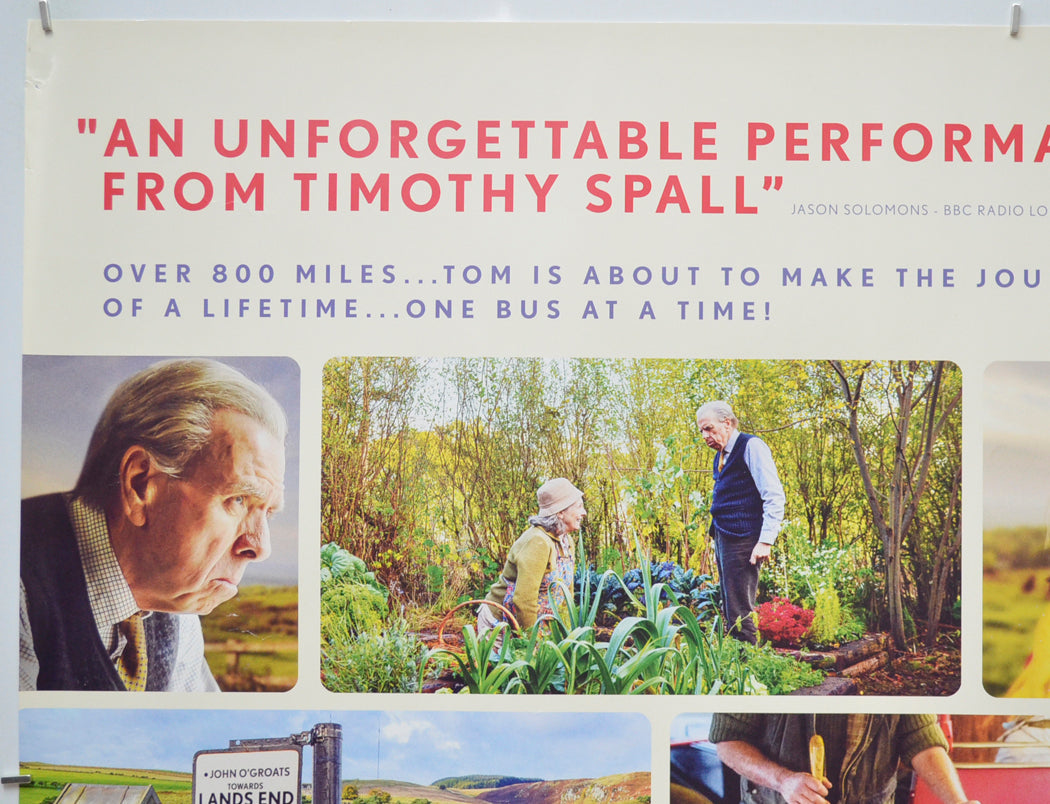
<point x="386" y="758"/>
<point x="1016" y="528"/>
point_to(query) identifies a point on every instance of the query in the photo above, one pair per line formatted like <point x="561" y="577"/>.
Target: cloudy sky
<point x="62" y="398"/>
<point x="1016" y="421"/>
<point x="418" y="747"/>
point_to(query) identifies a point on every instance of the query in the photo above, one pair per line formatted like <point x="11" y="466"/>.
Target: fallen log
<point x="854" y="652"/>
<point x="866" y="666"/>
<point x="832" y="685"/>
<point x="821" y="660"/>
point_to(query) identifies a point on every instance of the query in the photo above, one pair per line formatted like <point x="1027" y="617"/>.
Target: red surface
<point x="993" y="785"/>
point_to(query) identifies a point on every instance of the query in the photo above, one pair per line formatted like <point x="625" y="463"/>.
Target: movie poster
<point x="444" y="263"/>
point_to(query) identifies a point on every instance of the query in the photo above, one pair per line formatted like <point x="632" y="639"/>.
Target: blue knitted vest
<point x="736" y="507"/>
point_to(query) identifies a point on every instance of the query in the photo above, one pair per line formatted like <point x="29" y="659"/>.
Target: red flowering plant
<point x="783" y="623"/>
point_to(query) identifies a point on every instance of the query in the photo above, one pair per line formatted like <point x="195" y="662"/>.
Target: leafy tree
<point x="369" y="489"/>
<point x="895" y="452"/>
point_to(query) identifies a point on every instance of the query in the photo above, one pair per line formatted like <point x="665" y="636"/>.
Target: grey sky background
<point x="418" y="747"/>
<point x="1016" y="420"/>
<point x="63" y="396"/>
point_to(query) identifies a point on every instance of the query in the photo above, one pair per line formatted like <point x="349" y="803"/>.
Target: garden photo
<point x="625" y="526"/>
<point x="1017" y="529"/>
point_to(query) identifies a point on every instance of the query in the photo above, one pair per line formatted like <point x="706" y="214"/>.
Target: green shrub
<point x="799" y="568"/>
<point x="851" y="626"/>
<point x="341" y="566"/>
<point x="353" y="607"/>
<point x="611" y="558"/>
<point x="388" y="661"/>
<point x="834" y="623"/>
<point x="435" y="576"/>
<point x="827" y="616"/>
<point x="781" y="674"/>
<point x="352" y="599"/>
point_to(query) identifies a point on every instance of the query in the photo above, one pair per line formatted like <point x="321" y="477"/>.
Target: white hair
<point x="168" y="409"/>
<point x="719" y="410"/>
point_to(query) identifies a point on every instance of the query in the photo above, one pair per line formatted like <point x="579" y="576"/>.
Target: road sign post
<point x="269" y="770"/>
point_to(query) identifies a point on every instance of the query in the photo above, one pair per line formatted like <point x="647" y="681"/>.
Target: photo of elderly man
<point x="183" y="472"/>
<point x="747" y="510"/>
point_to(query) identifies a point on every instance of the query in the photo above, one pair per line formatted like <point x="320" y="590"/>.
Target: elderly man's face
<point x="716" y="433"/>
<point x="202" y="530"/>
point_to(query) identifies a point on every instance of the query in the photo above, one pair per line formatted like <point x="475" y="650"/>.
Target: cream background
<point x="929" y="74"/>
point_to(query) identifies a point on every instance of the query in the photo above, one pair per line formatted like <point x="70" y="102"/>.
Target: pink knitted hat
<point x="557" y="495"/>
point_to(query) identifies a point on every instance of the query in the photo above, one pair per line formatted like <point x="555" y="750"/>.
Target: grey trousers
<point x="738" y="578"/>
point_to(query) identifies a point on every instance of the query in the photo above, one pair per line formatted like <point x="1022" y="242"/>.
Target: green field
<point x="48" y="781"/>
<point x="1010" y="614"/>
<point x="263" y="621"/>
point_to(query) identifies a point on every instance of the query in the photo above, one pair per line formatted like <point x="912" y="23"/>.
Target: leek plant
<point x="481" y="666"/>
<point x="665" y="649"/>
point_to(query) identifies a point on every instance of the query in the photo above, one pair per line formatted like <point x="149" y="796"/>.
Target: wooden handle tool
<point x="816" y="756"/>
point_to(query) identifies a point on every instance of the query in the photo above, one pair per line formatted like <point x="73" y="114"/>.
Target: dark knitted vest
<point x="65" y="639"/>
<point x="737" y="506"/>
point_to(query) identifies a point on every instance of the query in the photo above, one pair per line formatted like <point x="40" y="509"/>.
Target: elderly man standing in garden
<point x="746" y="512"/>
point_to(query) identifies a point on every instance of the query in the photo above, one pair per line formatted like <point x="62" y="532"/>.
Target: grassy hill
<point x="618" y="789"/>
<point x="48" y="780"/>
<point x="479" y="782"/>
<point x="406" y="792"/>
<point x="251" y="641"/>
<point x="624" y="787"/>
<point x="176" y="788"/>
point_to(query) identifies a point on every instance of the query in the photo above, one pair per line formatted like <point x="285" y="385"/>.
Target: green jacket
<point x="528" y="560"/>
<point x="874" y="744"/>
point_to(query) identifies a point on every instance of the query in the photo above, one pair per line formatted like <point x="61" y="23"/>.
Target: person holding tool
<point x="829" y="758"/>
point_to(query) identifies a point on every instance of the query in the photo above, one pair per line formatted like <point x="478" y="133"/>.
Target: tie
<point x="131" y="665"/>
<point x="721" y="460"/>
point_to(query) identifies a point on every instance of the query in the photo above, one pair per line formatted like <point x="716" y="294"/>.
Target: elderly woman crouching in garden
<point x="541" y="564"/>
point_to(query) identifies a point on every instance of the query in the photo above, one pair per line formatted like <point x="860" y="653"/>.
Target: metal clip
<point x="1015" y="19"/>
<point x="19" y="780"/>
<point x="45" y="16"/>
